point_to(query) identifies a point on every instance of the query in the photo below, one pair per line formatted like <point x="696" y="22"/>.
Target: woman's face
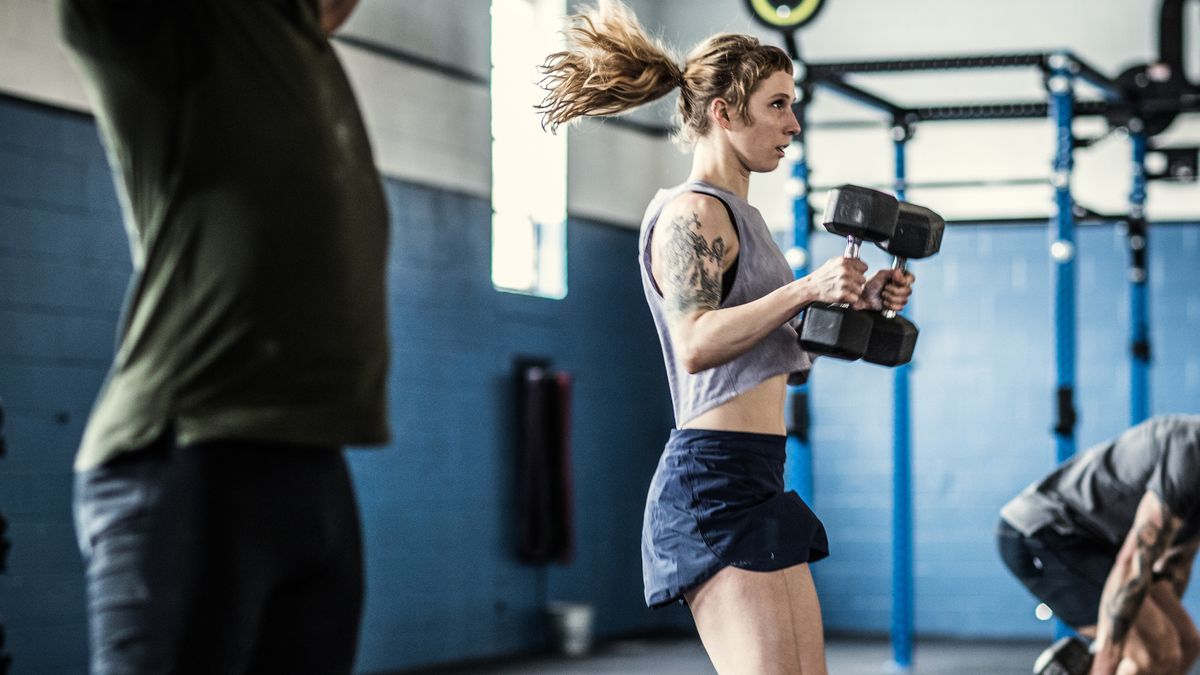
<point x="760" y="144"/>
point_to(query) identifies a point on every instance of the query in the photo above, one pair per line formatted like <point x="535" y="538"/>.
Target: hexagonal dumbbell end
<point x="918" y="233"/>
<point x="892" y="340"/>
<point x="834" y="330"/>
<point x="863" y="213"/>
<point x="1067" y="656"/>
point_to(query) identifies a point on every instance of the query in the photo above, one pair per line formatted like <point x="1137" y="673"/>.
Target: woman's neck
<point x="717" y="164"/>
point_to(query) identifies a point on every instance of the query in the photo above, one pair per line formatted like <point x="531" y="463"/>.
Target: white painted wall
<point x="425" y="127"/>
<point x="613" y="173"/>
<point x="432" y="129"/>
<point x="33" y="63"/>
<point x="447" y="31"/>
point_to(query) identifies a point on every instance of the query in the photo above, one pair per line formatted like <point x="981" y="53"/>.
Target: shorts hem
<point x="772" y="564"/>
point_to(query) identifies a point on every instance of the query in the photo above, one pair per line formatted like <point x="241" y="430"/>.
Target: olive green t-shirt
<point x="257" y="223"/>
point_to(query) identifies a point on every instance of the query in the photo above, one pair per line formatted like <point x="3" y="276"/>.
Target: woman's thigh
<point x="764" y="623"/>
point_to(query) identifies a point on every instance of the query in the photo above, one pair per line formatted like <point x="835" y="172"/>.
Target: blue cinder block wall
<point x="443" y="583"/>
<point x="982" y="402"/>
<point x="438" y="503"/>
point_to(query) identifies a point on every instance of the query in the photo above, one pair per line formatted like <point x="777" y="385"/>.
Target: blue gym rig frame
<point x="1061" y="70"/>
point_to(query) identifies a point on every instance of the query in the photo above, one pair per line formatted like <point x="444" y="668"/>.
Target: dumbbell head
<point x="853" y="211"/>
<point x="892" y="340"/>
<point x="834" y="330"/>
<point x="918" y="232"/>
<point x="1067" y="656"/>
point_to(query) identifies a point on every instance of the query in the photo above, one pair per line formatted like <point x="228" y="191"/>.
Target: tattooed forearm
<point x="1152" y="540"/>
<point x="1125" y="603"/>
<point x="1175" y="567"/>
<point x="1179" y="576"/>
<point x="693" y="267"/>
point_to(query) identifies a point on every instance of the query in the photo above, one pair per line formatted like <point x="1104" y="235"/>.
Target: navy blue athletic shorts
<point x="716" y="500"/>
<point x="1067" y="572"/>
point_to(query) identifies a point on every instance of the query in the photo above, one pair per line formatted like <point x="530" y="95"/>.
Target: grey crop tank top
<point x="761" y="268"/>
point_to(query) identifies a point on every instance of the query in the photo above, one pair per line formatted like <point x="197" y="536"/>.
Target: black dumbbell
<point x="918" y="234"/>
<point x="859" y="214"/>
<point x="1067" y="656"/>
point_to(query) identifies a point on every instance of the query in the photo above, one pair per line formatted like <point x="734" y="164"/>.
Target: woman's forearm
<point x="708" y="339"/>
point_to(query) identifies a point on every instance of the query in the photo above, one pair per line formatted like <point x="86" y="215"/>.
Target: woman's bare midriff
<point x="759" y="410"/>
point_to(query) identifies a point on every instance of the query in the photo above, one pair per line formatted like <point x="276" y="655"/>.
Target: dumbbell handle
<point x="853" y="244"/>
<point x="898" y="263"/>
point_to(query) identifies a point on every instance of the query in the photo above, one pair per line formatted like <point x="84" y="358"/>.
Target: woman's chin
<point x="767" y="166"/>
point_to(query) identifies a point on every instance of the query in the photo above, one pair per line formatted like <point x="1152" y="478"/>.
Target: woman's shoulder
<point x="705" y="208"/>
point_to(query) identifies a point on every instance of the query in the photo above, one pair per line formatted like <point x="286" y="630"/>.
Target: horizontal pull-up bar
<point x="985" y="111"/>
<point x="863" y="96"/>
<point x="1042" y="60"/>
<point x="822" y="70"/>
<point x="1034" y="221"/>
<point x="943" y="184"/>
<point x="1040" y="221"/>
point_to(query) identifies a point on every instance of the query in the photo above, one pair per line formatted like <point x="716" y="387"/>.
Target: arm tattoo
<point x="1152" y="540"/>
<point x="1175" y="566"/>
<point x="692" y="266"/>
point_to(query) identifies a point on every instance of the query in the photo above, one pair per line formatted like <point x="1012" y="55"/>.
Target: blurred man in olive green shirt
<point x="214" y="508"/>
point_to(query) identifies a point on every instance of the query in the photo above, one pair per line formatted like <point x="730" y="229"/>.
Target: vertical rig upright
<point x="1060" y="82"/>
<point x="1137" y="240"/>
<point x="901" y="470"/>
<point x="799" y="448"/>
<point x="902" y="527"/>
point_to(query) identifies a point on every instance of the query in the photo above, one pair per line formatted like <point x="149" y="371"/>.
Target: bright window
<point x="529" y="165"/>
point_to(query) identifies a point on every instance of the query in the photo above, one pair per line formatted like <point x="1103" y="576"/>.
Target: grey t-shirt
<point x="1095" y="494"/>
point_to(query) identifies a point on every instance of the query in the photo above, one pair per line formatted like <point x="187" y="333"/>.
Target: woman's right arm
<point x="694" y="243"/>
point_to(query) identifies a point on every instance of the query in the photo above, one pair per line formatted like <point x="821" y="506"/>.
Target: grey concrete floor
<point x="845" y="657"/>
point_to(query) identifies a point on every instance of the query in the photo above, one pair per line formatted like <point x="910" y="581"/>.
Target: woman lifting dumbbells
<point x="719" y="532"/>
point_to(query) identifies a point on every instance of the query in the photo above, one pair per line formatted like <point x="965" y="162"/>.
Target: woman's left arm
<point x="888" y="289"/>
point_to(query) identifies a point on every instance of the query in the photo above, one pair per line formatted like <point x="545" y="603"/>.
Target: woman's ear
<point x="719" y="110"/>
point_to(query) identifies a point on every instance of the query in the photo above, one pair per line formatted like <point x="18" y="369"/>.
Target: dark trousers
<point x="221" y="557"/>
<point x="1064" y="571"/>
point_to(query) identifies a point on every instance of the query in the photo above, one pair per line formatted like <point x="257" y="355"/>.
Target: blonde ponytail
<point x="611" y="65"/>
